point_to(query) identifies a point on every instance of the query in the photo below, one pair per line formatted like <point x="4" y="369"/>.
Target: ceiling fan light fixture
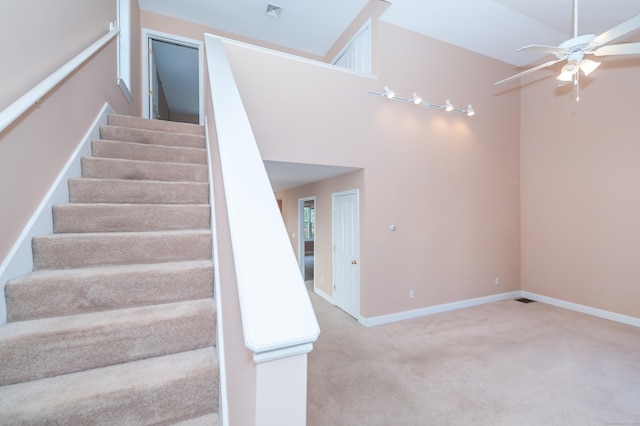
<point x="588" y="66"/>
<point x="565" y="76"/>
<point x="568" y="71"/>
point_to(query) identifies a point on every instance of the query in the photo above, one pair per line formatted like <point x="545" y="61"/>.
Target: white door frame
<point x="356" y="311"/>
<point x="148" y="34"/>
<point x="301" y="235"/>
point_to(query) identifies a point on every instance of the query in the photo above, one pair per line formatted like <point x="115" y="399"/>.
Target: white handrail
<point x="33" y="96"/>
<point x="277" y="317"/>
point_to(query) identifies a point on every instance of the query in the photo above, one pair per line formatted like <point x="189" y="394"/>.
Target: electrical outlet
<point x="411" y="294"/>
<point x="497" y="280"/>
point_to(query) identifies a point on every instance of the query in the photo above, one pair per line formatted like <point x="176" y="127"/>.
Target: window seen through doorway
<point x="309" y="223"/>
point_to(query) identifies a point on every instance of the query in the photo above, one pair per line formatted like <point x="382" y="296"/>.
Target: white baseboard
<point x="19" y="260"/>
<point x="430" y="310"/>
<point x="324" y="295"/>
<point x="624" y="319"/>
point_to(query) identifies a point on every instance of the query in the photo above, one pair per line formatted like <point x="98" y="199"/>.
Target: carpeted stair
<point x="116" y="324"/>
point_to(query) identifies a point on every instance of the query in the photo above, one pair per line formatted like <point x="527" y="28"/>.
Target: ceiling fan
<point x="575" y="49"/>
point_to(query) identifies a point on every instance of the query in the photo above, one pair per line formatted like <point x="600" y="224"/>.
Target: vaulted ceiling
<point x="495" y="28"/>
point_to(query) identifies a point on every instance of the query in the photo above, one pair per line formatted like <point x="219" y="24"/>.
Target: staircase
<point x="116" y="324"/>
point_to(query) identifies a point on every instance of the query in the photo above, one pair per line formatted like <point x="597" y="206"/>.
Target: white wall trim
<point x="260" y="357"/>
<point x="624" y="319"/>
<point x="430" y="310"/>
<point x="222" y="365"/>
<point x="290" y="56"/>
<point x="19" y="260"/>
<point x="324" y="295"/>
<point x="159" y="35"/>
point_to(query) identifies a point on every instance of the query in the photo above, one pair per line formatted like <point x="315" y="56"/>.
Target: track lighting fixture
<point x="417" y="100"/>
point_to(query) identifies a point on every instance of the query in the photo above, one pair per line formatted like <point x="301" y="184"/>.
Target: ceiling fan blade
<point x="618" y="49"/>
<point x="616" y="32"/>
<point x="530" y="70"/>
<point x="539" y="48"/>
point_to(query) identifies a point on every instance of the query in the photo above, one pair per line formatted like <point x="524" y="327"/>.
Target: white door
<point x="346" y="252"/>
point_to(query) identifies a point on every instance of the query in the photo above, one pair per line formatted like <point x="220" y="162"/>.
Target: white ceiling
<point x="495" y="28"/>
<point x="290" y="175"/>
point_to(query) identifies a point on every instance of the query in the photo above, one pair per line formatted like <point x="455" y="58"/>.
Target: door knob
<point x="354" y="262"/>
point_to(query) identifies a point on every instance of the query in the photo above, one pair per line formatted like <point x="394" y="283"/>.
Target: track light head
<point x="416" y="99"/>
<point x="470" y="111"/>
<point x="388" y="93"/>
<point x="448" y="106"/>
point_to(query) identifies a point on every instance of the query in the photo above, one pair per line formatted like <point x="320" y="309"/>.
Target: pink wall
<point x="580" y="198"/>
<point x="40" y="36"/>
<point x="449" y="183"/>
<point x="36" y="147"/>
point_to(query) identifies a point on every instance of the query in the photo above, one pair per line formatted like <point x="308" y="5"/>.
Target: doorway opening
<point x="172" y="78"/>
<point x="307" y="236"/>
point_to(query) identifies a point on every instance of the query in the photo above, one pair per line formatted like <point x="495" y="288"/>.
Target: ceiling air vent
<point x="273" y="10"/>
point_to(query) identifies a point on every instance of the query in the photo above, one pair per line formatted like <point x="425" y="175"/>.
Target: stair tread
<point x="139" y="182"/>
<point x="112" y="217"/>
<point x="87" y="190"/>
<point x="161" y="125"/>
<point x="122" y="234"/>
<point x="49" y="347"/>
<point x="100" y="319"/>
<point x="70" y="398"/>
<point x="153" y="137"/>
<point x="75" y="291"/>
<point x="47" y="274"/>
<point x="80" y="250"/>
<point x="102" y="148"/>
<point x="150" y="162"/>
<point x="144" y="170"/>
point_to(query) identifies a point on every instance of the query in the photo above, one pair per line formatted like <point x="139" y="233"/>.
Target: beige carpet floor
<point x="504" y="363"/>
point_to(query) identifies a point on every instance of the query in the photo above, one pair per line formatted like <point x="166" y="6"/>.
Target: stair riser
<point x="142" y="152"/>
<point x="137" y="192"/>
<point x="116" y="337"/>
<point x="95" y="290"/>
<point x="152" y="137"/>
<point x="166" y="126"/>
<point x="65" y="251"/>
<point x="159" y="391"/>
<point x="126" y="217"/>
<point x="103" y="168"/>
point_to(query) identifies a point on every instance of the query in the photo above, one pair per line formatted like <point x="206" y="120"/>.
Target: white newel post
<point x="281" y="391"/>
